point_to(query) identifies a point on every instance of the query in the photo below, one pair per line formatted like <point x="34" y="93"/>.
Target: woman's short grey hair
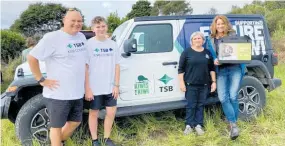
<point x="195" y="34"/>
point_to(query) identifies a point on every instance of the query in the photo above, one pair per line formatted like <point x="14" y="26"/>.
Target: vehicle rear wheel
<point x="252" y="98"/>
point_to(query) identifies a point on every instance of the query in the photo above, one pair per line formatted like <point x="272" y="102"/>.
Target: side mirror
<point x="130" y="45"/>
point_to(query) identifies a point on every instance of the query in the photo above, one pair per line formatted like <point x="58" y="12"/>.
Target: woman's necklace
<point x="220" y="36"/>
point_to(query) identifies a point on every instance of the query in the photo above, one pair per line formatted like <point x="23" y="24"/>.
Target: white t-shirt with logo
<point x="103" y="57"/>
<point x="65" y="57"/>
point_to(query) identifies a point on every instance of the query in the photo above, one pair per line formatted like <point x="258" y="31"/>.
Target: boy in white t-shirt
<point x="102" y="80"/>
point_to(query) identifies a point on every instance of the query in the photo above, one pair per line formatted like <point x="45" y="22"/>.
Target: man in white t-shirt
<point x="102" y="80"/>
<point x="64" y="54"/>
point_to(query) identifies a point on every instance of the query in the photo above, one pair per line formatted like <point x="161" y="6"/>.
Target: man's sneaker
<point x="108" y="142"/>
<point x="188" y="130"/>
<point x="234" y="133"/>
<point x="199" y="130"/>
<point x="95" y="143"/>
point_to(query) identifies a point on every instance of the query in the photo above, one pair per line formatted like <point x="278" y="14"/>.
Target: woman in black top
<point x="195" y="65"/>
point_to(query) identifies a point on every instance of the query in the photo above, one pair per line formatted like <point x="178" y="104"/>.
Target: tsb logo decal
<point x="165" y="79"/>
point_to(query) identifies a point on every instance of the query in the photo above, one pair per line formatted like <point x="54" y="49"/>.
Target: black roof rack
<point x="157" y="18"/>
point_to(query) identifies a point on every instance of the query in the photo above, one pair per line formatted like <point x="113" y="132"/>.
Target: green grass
<point x="165" y="128"/>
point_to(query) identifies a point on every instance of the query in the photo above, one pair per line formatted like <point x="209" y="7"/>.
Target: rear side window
<point x="153" y="38"/>
<point x="254" y="28"/>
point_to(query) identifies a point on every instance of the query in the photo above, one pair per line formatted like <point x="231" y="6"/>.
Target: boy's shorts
<point x="101" y="101"/>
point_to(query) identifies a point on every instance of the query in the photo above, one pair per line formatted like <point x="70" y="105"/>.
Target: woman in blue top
<point x="229" y="76"/>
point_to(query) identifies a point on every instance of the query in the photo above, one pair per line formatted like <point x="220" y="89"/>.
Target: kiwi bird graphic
<point x="141" y="78"/>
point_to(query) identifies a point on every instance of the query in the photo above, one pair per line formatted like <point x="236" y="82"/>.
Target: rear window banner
<point x="253" y="29"/>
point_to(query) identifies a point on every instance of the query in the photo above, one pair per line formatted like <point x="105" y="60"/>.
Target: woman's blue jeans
<point x="228" y="84"/>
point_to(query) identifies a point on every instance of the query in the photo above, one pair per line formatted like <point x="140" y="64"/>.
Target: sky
<point x="11" y="9"/>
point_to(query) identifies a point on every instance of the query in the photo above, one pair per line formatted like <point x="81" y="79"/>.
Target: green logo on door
<point x="96" y="50"/>
<point x="69" y="46"/>
<point x="165" y="79"/>
<point x="142" y="86"/>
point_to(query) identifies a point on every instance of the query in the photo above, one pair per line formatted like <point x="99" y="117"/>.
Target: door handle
<point x="170" y="63"/>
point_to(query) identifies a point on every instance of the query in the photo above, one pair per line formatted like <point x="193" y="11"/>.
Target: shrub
<point x="278" y="39"/>
<point x="275" y="19"/>
<point x="11" y="45"/>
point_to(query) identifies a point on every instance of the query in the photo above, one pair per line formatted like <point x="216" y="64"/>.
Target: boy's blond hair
<point x="97" y="20"/>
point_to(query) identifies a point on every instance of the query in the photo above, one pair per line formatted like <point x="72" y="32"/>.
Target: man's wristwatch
<point x="41" y="80"/>
<point x="214" y="82"/>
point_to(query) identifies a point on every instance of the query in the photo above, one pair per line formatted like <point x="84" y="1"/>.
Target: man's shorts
<point x="101" y="101"/>
<point x="61" y="111"/>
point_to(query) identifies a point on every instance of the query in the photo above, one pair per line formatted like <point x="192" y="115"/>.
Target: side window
<point x="153" y="38"/>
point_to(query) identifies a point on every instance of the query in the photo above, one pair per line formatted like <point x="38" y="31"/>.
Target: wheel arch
<point x="23" y="94"/>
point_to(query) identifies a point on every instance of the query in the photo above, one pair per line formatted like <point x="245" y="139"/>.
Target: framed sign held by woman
<point x="235" y="49"/>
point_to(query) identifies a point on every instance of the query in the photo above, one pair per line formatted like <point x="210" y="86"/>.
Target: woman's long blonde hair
<point x="228" y="25"/>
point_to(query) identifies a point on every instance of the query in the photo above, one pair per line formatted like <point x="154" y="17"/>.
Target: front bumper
<point x="274" y="83"/>
<point x="5" y="104"/>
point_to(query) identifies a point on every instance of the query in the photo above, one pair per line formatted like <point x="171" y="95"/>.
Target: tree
<point x="274" y="12"/>
<point x="157" y="7"/>
<point x="212" y="11"/>
<point x="84" y="27"/>
<point x="113" y="21"/>
<point x="12" y="43"/>
<point x="140" y="8"/>
<point x="171" y="8"/>
<point x="250" y="9"/>
<point x="272" y="5"/>
<point x="40" y="18"/>
<point x="124" y="19"/>
<point x="257" y="2"/>
<point x="275" y="19"/>
<point x="16" y="26"/>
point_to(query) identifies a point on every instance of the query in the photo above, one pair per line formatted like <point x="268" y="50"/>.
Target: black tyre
<point x="32" y="122"/>
<point x="252" y="98"/>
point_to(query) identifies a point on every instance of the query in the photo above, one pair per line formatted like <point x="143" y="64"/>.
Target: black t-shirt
<point x="196" y="66"/>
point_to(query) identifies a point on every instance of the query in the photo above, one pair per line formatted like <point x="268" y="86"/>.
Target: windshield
<point x="117" y="34"/>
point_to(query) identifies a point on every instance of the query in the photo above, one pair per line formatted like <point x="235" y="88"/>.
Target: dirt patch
<point x="157" y="134"/>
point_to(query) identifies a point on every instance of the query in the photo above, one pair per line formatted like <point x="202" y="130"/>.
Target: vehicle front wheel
<point x="32" y="122"/>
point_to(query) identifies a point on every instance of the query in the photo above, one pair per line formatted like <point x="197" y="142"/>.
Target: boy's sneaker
<point x="62" y="143"/>
<point x="234" y="133"/>
<point x="95" y="142"/>
<point x="199" y="130"/>
<point x="188" y="130"/>
<point x="108" y="142"/>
